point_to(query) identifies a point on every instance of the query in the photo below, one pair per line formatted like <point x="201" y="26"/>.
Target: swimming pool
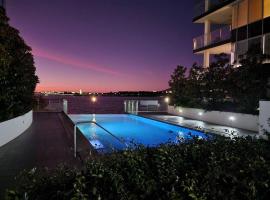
<point x="119" y="131"/>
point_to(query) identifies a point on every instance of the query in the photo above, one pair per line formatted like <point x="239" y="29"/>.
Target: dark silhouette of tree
<point x="249" y="82"/>
<point x="17" y="72"/>
<point x="223" y="86"/>
<point x="215" y="83"/>
<point x="177" y="85"/>
<point x="194" y="88"/>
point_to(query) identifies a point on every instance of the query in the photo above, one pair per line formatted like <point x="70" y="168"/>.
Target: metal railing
<point x="91" y="122"/>
<point x="213" y="37"/>
<point x="203" y="6"/>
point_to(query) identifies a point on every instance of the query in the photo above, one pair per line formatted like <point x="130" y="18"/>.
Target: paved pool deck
<point x="226" y="131"/>
<point x="44" y="144"/>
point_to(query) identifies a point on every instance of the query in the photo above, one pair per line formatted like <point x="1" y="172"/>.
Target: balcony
<point x="213" y="38"/>
<point x="203" y="7"/>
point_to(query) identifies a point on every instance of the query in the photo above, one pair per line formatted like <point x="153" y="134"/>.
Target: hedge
<point x="216" y="169"/>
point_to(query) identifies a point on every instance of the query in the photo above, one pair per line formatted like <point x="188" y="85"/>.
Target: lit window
<point x="255" y="10"/>
<point x="234" y="17"/>
<point x="266" y="9"/>
<point x="242" y="13"/>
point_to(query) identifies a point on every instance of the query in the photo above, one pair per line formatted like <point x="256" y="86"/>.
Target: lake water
<point x="104" y="104"/>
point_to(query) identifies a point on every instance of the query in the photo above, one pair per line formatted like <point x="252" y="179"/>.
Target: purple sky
<point x="106" y="45"/>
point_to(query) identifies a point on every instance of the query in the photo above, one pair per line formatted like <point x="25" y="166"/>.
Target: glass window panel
<point x="267" y="45"/>
<point x="242" y="13"/>
<point x="255" y="10"/>
<point x="241" y="48"/>
<point x="266" y="8"/>
<point x="255" y="45"/>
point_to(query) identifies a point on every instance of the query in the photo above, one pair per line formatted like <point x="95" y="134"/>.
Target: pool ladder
<point x="91" y="122"/>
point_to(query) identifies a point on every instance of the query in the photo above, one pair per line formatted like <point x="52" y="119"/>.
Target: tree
<point x="17" y="72"/>
<point x="215" y="82"/>
<point x="194" y="87"/>
<point x="177" y="85"/>
<point x="250" y="82"/>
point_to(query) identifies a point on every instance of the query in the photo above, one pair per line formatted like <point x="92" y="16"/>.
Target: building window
<point x="266" y="25"/>
<point x="255" y="45"/>
<point x="234" y="16"/>
<point x="266" y="8"/>
<point x="241" y="49"/>
<point x="255" y="29"/>
<point x="242" y="33"/>
<point x="242" y="13"/>
<point x="255" y="10"/>
<point x="267" y="45"/>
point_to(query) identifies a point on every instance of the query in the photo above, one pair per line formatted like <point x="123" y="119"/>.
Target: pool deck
<point x="46" y="143"/>
<point x="200" y="125"/>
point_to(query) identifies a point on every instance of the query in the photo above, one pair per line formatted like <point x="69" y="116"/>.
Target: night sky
<point x="106" y="45"/>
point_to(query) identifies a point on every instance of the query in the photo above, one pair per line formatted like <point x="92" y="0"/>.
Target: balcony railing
<point x="212" y="38"/>
<point x="203" y="6"/>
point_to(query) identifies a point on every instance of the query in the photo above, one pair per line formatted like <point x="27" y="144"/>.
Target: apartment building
<point x="232" y="27"/>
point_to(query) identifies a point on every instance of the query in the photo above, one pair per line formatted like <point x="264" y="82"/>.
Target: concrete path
<point x="45" y="143"/>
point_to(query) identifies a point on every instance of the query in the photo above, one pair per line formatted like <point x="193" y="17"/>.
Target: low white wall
<point x="237" y="120"/>
<point x="264" y="116"/>
<point x="12" y="128"/>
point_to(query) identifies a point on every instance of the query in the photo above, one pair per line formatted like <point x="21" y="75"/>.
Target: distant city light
<point x="167" y="99"/>
<point x="200" y="113"/>
<point x="231" y="118"/>
<point x="94" y="99"/>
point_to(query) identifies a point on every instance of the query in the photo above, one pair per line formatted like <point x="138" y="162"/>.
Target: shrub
<point x="17" y="72"/>
<point x="216" y="169"/>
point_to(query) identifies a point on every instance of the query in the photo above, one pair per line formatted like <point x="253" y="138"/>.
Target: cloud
<point x="74" y="62"/>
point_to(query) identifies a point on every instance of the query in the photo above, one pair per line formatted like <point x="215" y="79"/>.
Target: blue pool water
<point x="127" y="130"/>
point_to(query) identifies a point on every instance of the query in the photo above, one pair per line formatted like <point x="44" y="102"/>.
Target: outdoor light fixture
<point x="200" y="113"/>
<point x="167" y="99"/>
<point x="94" y="99"/>
<point x="231" y="118"/>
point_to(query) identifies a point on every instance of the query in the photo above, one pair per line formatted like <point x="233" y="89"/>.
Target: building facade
<point x="232" y="27"/>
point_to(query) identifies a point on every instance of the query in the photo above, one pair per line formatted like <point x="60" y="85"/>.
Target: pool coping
<point x="92" y="150"/>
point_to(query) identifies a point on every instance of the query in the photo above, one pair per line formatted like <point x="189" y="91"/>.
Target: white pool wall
<point x="237" y="120"/>
<point x="12" y="128"/>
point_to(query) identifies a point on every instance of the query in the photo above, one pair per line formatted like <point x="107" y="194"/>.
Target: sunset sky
<point x="106" y="45"/>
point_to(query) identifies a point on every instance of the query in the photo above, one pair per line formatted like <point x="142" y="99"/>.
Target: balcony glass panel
<point x="214" y="37"/>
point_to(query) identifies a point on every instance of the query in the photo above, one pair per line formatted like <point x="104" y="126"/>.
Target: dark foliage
<point x="216" y="169"/>
<point x="222" y="86"/>
<point x="17" y="72"/>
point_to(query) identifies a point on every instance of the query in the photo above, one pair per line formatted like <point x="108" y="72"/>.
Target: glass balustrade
<point x="213" y="37"/>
